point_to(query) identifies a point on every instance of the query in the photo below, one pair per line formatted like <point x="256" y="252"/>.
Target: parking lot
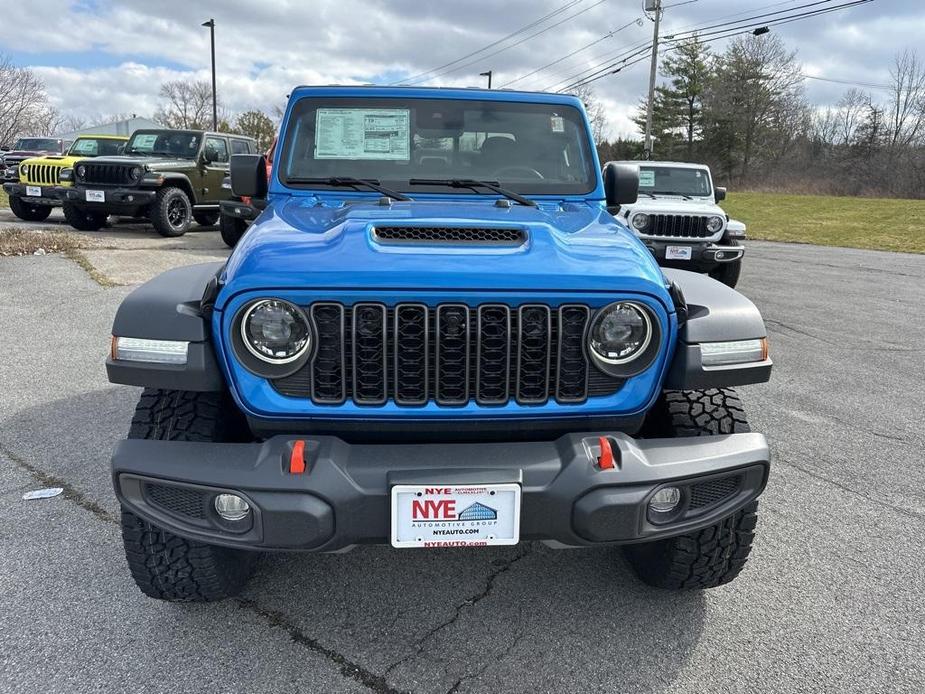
<point x="830" y="601"/>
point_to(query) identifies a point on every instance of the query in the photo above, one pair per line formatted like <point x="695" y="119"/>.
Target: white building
<point x="120" y="127"/>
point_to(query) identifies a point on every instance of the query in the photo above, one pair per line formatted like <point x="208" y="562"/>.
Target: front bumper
<point x="704" y="255"/>
<point x="49" y="195"/>
<point x="342" y="498"/>
<point x="114" y="197"/>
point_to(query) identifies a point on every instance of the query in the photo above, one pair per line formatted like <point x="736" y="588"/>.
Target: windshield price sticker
<point x="363" y="133"/>
<point x="646" y="178"/>
<point x="144" y="141"/>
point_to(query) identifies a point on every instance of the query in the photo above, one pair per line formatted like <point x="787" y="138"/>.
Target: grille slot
<point x="43" y="174"/>
<point x="678" y="226"/>
<point x="107" y="174"/>
<point x="179" y="500"/>
<point x="712" y="492"/>
<point x="451" y="355"/>
<point x="450" y="235"/>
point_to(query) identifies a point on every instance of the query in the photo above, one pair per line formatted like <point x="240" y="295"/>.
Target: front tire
<point x="83" y="219"/>
<point x="28" y="212"/>
<point x="171" y="212"/>
<point x="166" y="566"/>
<point x="232" y="229"/>
<point x="711" y="556"/>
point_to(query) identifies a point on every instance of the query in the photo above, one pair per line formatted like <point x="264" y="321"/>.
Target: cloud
<point x="265" y="48"/>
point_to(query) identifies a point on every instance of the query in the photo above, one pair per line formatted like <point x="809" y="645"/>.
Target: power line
<point x="851" y="83"/>
<point x="532" y="24"/>
<point x="524" y="40"/>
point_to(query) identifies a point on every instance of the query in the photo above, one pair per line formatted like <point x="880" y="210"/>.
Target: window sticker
<point x="646" y="178"/>
<point x="144" y="142"/>
<point x="363" y="133"/>
<point x="557" y="123"/>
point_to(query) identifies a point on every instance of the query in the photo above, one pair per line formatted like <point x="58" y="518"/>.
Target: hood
<point x="18" y="155"/>
<point x="53" y="160"/>
<point x="306" y="242"/>
<point x="159" y="163"/>
<point x="674" y="205"/>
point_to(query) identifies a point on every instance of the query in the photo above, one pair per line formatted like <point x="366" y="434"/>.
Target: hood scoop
<point x="449" y="236"/>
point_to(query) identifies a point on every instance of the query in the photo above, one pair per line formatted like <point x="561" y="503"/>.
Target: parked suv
<point x="24" y="148"/>
<point x="170" y="176"/>
<point x="38" y="189"/>
<point x="678" y="217"/>
<point x="435" y="335"/>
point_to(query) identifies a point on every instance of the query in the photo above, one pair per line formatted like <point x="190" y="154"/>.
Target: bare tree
<point x="597" y="114"/>
<point x="187" y="105"/>
<point x="851" y="109"/>
<point x="22" y="100"/>
<point x="907" y="100"/>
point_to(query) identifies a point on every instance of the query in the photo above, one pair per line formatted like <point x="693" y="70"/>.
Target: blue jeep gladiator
<point x="435" y="334"/>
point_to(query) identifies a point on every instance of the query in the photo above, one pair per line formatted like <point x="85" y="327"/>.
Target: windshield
<point x="44" y="144"/>
<point x="666" y="180"/>
<point x="95" y="147"/>
<point x="525" y="147"/>
<point x="182" y="145"/>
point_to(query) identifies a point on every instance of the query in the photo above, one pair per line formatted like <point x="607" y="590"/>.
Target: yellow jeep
<point x="40" y="177"/>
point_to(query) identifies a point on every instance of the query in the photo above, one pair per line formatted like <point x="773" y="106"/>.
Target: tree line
<point x="744" y="112"/>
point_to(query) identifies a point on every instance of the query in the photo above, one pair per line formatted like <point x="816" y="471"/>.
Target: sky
<point x="100" y="57"/>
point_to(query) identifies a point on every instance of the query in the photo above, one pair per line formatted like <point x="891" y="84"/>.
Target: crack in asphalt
<point x="458" y="610"/>
<point x="482" y="670"/>
<point x="822" y="478"/>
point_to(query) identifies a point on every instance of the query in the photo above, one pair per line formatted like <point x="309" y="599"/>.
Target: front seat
<point x="497" y="152"/>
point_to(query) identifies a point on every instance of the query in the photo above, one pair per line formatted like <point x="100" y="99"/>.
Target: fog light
<point x="231" y="507"/>
<point x="720" y="255"/>
<point x="665" y="500"/>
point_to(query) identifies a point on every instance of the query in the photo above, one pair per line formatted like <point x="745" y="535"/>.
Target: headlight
<point x="714" y="224"/>
<point x="24" y="169"/>
<point x="640" y="221"/>
<point x="81" y="171"/>
<point x="275" y="331"/>
<point x="620" y="332"/>
<point x="136" y="173"/>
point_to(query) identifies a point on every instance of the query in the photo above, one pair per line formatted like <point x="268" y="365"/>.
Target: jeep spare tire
<point x="29" y="212"/>
<point x="83" y="219"/>
<point x="171" y="212"/>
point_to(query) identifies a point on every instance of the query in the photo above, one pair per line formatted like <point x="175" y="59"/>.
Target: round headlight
<point x="640" y="221"/>
<point x="620" y="332"/>
<point x="23" y="168"/>
<point x="714" y="224"/>
<point x="275" y="331"/>
<point x="81" y="171"/>
<point x="136" y="173"/>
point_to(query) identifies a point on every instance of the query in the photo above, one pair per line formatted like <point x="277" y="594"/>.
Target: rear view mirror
<point x="249" y="175"/>
<point x="621" y="185"/>
<point x="719" y="193"/>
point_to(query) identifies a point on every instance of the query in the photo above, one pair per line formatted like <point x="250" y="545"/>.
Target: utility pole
<point x="656" y="6"/>
<point x="488" y="75"/>
<point x="211" y="25"/>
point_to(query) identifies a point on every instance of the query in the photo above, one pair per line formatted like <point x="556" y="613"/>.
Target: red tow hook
<point x="297" y="458"/>
<point x="605" y="461"/>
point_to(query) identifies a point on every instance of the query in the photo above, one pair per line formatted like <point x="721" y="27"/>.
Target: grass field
<point x="877" y="223"/>
<point x="3" y="200"/>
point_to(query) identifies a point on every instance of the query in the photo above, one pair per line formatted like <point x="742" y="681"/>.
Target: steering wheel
<point x="533" y="173"/>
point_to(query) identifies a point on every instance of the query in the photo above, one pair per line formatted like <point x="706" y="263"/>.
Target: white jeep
<point x="676" y="215"/>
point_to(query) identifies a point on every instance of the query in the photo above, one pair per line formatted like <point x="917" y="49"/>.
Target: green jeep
<point x="171" y="177"/>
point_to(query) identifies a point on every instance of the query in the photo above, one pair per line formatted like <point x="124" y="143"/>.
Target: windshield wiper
<point x="642" y="192"/>
<point x="371" y="183"/>
<point x="672" y="192"/>
<point x="473" y="184"/>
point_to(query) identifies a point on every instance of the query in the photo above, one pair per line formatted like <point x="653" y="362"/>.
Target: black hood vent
<point x="450" y="236"/>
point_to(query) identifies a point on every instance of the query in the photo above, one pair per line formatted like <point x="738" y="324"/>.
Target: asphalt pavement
<point x="831" y="600"/>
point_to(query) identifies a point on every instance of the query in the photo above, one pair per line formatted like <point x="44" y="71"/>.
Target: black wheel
<point x="728" y="273"/>
<point x="205" y="219"/>
<point x="164" y="565"/>
<point x="171" y="212"/>
<point x="29" y="212"/>
<point x="232" y="229"/>
<point x="83" y="219"/>
<point x="714" y="555"/>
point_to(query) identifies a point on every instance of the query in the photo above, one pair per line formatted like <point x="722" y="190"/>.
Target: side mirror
<point x="719" y="193"/>
<point x="621" y="185"/>
<point x="4" y="148"/>
<point x="249" y="175"/>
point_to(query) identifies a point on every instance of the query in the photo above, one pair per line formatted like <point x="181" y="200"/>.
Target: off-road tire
<point x="28" y="212"/>
<point x="171" y="212"/>
<point x="714" y="555"/>
<point x="728" y="273"/>
<point x="163" y="565"/>
<point x="83" y="219"/>
<point x="206" y="219"/>
<point x="232" y="229"/>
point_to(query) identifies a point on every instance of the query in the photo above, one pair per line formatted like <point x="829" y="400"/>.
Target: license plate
<point x="677" y="253"/>
<point x="455" y="516"/>
<point x="96" y="196"/>
<point x="34" y="191"/>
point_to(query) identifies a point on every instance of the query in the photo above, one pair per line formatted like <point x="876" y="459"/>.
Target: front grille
<point x="678" y="226"/>
<point x="43" y="174"/>
<point x="712" y="492"/>
<point x="450" y="236"/>
<point x="179" y="500"/>
<point x="107" y="174"/>
<point x="453" y="354"/>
